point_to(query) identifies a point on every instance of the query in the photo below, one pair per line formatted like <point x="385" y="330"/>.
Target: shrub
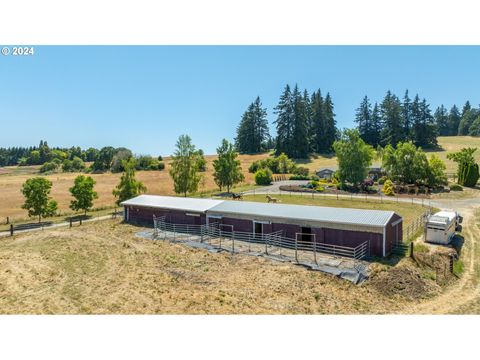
<point x="468" y="175"/>
<point x="456" y="187"/>
<point x="382" y="180"/>
<point x="301" y="171"/>
<point x="388" y="188"/>
<point x="48" y="167"/>
<point x="314" y="183"/>
<point x="320" y="188"/>
<point x="299" y="177"/>
<point x="161" y="165"/>
<point x="254" y="167"/>
<point x="263" y="177"/>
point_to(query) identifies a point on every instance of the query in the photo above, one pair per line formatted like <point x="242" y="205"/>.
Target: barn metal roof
<point x="377" y="218"/>
<point x="360" y="217"/>
<point x="172" y="203"/>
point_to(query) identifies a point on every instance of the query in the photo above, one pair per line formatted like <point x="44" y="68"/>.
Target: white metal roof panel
<point x="172" y="203"/>
<point x="377" y="218"/>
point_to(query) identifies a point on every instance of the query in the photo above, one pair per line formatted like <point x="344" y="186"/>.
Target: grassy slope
<point x="103" y="268"/>
<point x="11" y="179"/>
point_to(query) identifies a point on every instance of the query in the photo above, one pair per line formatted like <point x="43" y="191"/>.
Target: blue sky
<point x="143" y="98"/>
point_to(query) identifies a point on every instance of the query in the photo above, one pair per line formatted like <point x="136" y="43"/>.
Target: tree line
<point x="393" y="121"/>
<point x="73" y="159"/>
<point x="304" y="124"/>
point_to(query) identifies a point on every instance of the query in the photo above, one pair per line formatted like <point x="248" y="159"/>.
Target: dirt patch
<point x="404" y="281"/>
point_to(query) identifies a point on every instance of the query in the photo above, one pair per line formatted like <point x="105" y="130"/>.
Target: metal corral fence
<point x="223" y="237"/>
<point x="404" y="246"/>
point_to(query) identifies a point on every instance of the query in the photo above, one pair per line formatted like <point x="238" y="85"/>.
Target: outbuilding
<point x="323" y="225"/>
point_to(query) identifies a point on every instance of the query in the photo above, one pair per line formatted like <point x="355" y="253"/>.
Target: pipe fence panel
<point x="274" y="244"/>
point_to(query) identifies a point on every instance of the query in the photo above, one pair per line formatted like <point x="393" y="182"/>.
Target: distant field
<point x="159" y="182"/>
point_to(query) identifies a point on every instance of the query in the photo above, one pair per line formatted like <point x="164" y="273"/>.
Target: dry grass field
<point x="103" y="268"/>
<point x="159" y="182"/>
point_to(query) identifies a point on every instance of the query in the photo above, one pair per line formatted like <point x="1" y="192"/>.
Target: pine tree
<point x="252" y="133"/>
<point x="376" y="125"/>
<point x="330" y="125"/>
<point x="284" y="122"/>
<point x="309" y="111"/>
<point x="392" y="120"/>
<point x="318" y="121"/>
<point x="453" y="121"/>
<point x="363" y="118"/>
<point x="407" y="115"/>
<point x="300" y="126"/>
<point x="466" y="108"/>
<point x="441" y="121"/>
<point x="424" y="131"/>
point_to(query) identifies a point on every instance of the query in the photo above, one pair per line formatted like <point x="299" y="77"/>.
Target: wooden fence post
<point x="11" y="229"/>
<point x="411" y="250"/>
<point x="8" y="220"/>
<point x="70" y="222"/>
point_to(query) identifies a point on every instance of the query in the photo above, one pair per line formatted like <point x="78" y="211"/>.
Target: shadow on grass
<point x="36" y="225"/>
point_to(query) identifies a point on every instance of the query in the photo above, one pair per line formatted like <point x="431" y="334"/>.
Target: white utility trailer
<point x="440" y="228"/>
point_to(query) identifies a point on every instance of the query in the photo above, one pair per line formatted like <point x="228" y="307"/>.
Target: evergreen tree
<point x="300" y="126"/>
<point x="466" y="107"/>
<point x="468" y="117"/>
<point x="330" y="127"/>
<point x="252" y="133"/>
<point x="318" y="122"/>
<point x="376" y="125"/>
<point x="363" y="118"/>
<point x="309" y="112"/>
<point x="429" y="133"/>
<point x="285" y="122"/>
<point x="392" y="120"/>
<point x="453" y="121"/>
<point x="407" y="115"/>
<point x="441" y="121"/>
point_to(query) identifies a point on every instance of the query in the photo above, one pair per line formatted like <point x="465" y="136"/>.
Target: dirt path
<point x="464" y="296"/>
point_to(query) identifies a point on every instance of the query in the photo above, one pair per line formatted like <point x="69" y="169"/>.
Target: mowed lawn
<point x="159" y="182"/>
<point x="103" y="268"/>
<point x="409" y="212"/>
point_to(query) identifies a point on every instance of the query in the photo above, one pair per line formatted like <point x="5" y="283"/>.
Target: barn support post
<point x="233" y="242"/>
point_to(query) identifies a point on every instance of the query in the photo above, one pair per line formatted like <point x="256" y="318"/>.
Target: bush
<point x="254" y="167"/>
<point x="48" y="167"/>
<point x="468" y="175"/>
<point x="382" y="180"/>
<point x="263" y="177"/>
<point x="299" y="177"/>
<point x="301" y="171"/>
<point x="320" y="188"/>
<point x="388" y="188"/>
<point x="456" y="187"/>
